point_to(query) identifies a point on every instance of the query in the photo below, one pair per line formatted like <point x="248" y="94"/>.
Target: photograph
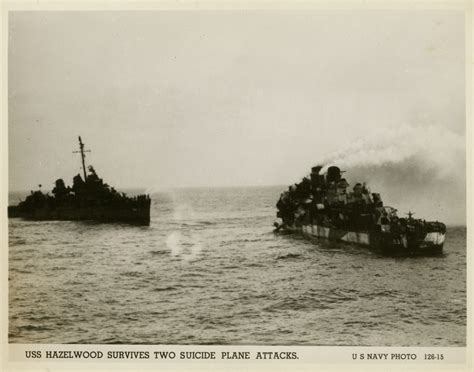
<point x="261" y="176"/>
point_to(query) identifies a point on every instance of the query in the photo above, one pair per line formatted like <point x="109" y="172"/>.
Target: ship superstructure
<point x="322" y="205"/>
<point x="89" y="198"/>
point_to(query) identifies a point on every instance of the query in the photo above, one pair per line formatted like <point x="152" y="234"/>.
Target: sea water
<point x="209" y="270"/>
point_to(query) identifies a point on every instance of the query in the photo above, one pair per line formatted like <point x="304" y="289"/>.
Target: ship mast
<point x="83" y="156"/>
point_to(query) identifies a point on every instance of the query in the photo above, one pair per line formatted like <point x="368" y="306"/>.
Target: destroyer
<point x="88" y="199"/>
<point x="320" y="206"/>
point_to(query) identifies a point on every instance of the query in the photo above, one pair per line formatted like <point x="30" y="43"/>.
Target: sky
<point x="235" y="98"/>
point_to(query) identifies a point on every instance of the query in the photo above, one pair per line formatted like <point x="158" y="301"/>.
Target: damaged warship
<point x="88" y="199"/>
<point x="320" y="206"/>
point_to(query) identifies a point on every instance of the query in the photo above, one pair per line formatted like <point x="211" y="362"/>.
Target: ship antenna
<point x="83" y="156"/>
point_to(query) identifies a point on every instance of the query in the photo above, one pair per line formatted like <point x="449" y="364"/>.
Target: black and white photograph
<point x="257" y="176"/>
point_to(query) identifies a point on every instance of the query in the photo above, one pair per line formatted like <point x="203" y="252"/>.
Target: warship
<point x="320" y="206"/>
<point x="89" y="198"/>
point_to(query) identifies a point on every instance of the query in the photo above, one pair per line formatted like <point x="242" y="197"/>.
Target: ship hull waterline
<point x="132" y="216"/>
<point x="432" y="243"/>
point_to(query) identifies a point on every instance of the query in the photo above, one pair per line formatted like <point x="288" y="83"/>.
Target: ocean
<point x="209" y="270"/>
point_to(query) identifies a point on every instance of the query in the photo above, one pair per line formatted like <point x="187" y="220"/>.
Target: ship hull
<point x="136" y="215"/>
<point x="431" y="243"/>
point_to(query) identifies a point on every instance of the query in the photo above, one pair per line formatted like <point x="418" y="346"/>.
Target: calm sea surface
<point x="209" y="270"/>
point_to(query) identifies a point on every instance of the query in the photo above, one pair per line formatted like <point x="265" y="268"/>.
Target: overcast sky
<point x="206" y="98"/>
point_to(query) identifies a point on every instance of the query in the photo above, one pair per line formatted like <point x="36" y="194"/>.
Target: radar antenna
<point x="83" y="156"/>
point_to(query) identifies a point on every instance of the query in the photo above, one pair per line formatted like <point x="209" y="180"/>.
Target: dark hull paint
<point x="137" y="215"/>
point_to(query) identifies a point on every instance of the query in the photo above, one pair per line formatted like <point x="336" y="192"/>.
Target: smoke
<point x="413" y="168"/>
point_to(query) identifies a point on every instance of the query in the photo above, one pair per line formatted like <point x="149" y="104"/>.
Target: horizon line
<point x="160" y="188"/>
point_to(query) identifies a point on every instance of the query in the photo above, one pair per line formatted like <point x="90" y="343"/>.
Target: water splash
<point x="183" y="243"/>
